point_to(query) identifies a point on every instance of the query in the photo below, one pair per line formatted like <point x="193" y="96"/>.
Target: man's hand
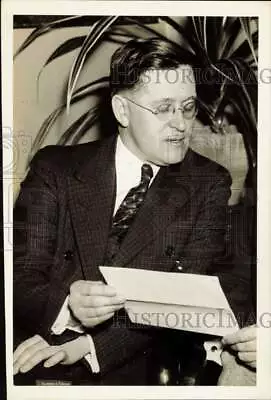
<point x="35" y="350"/>
<point x="93" y="302"/>
<point x="244" y="343"/>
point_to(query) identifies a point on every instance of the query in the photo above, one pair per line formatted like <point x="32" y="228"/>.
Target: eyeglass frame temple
<point x="157" y="112"/>
<point x="139" y="105"/>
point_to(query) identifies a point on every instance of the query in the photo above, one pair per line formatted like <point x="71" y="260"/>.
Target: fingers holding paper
<point x="244" y="342"/>
<point x="93" y="302"/>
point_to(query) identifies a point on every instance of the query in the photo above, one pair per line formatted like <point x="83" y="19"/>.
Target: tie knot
<point x="146" y="173"/>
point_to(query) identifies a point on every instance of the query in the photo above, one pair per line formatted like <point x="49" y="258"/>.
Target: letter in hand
<point x="35" y="350"/>
<point x="244" y="343"/>
<point x="93" y="302"/>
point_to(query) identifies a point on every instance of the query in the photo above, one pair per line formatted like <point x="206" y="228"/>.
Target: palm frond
<point x="187" y="34"/>
<point x="43" y="131"/>
<point x="67" y="135"/>
<point x="196" y="24"/>
<point x="249" y="136"/>
<point x="90" y="120"/>
<point x="90" y="88"/>
<point x="95" y="34"/>
<point x="45" y="28"/>
<point x="230" y="33"/>
<point x="245" y="22"/>
<point x="78" y="128"/>
<point x="213" y="32"/>
<point x="242" y="51"/>
<point x="81" y="93"/>
<point x="65" y="48"/>
<point x="137" y="22"/>
<point x="244" y="90"/>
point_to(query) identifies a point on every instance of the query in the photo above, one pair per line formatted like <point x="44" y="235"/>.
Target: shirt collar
<point x="127" y="161"/>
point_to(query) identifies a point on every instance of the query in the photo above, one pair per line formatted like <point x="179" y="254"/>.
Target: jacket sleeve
<point x="212" y="249"/>
<point x="206" y="243"/>
<point x="235" y="268"/>
<point x="35" y="240"/>
<point x="118" y="341"/>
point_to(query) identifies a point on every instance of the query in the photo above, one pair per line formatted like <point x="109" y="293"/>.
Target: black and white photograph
<point x="136" y="189"/>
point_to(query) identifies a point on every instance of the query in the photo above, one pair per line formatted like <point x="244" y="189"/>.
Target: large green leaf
<point x="45" y="28"/>
<point x="68" y="134"/>
<point x="66" y="47"/>
<point x="198" y="31"/>
<point x="76" y="42"/>
<point x="213" y="30"/>
<point x="78" y="128"/>
<point x="243" y="50"/>
<point x="245" y="22"/>
<point x="230" y="33"/>
<point x="81" y="93"/>
<point x="249" y="135"/>
<point x="154" y="33"/>
<point x="247" y="98"/>
<point x="95" y="34"/>
<point x="89" y="89"/>
<point x="238" y="89"/>
<point x="44" y="130"/>
<point x="90" y="120"/>
<point x="189" y="42"/>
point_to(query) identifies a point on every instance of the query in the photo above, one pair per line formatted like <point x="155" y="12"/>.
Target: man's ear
<point x="120" y="110"/>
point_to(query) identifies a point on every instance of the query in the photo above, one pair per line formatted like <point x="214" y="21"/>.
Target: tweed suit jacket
<point x="62" y="219"/>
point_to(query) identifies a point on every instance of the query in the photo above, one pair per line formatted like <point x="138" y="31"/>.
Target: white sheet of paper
<point x="187" y="302"/>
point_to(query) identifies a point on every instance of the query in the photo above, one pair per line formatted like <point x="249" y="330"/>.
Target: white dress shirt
<point x="128" y="175"/>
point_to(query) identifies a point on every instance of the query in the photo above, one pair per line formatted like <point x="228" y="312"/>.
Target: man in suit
<point x="76" y="211"/>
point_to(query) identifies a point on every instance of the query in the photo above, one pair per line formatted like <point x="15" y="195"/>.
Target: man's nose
<point x="178" y="120"/>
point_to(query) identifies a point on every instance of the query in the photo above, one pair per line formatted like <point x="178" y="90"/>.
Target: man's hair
<point x="137" y="56"/>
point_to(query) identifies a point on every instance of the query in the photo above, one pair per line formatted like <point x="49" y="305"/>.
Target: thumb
<point x="96" y="282"/>
<point x="227" y="358"/>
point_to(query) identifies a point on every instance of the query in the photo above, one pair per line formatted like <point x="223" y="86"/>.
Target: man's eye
<point x="164" y="108"/>
<point x="189" y="106"/>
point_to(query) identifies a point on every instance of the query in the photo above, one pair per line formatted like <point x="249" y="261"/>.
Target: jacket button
<point x="169" y="251"/>
<point x="68" y="255"/>
<point x="178" y="265"/>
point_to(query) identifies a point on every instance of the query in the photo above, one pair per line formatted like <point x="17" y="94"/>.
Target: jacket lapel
<point x="91" y="197"/>
<point x="171" y="189"/>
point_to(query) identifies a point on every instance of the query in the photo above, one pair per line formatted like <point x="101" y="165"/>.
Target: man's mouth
<point x="175" y="140"/>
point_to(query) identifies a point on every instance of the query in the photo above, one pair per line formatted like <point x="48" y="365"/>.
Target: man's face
<point x="161" y="139"/>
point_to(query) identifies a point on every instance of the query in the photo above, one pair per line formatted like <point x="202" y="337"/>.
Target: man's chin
<point x="177" y="155"/>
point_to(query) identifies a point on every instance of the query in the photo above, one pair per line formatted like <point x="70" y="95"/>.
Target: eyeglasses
<point x="166" y="111"/>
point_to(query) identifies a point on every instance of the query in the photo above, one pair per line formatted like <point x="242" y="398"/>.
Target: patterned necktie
<point x="126" y="213"/>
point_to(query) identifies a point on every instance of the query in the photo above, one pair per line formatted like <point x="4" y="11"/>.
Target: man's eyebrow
<point x="171" y="99"/>
<point x="163" y="100"/>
